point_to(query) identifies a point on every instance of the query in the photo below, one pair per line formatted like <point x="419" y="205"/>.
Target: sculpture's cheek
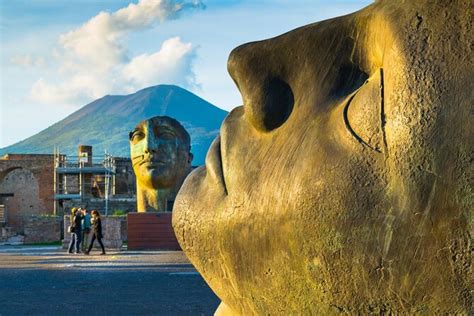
<point x="247" y="239"/>
<point x="138" y="148"/>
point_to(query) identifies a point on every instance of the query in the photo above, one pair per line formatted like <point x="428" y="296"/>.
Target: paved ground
<point x="47" y="281"/>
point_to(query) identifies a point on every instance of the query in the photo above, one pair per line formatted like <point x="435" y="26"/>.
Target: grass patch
<point x="119" y="213"/>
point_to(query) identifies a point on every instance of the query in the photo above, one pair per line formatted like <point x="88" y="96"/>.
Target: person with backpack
<point x="96" y="232"/>
<point x="76" y="231"/>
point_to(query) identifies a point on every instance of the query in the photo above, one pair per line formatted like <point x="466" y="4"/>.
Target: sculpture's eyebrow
<point x="165" y="128"/>
<point x="160" y="129"/>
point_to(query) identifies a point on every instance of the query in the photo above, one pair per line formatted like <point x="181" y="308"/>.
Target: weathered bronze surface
<point x="343" y="182"/>
<point x="161" y="158"/>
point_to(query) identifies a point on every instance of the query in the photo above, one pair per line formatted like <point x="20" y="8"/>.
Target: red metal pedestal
<point x="151" y="231"/>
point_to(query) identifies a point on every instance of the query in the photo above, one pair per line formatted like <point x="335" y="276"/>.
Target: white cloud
<point x="94" y="59"/>
<point x="27" y="61"/>
<point x="171" y="64"/>
<point x="77" y="90"/>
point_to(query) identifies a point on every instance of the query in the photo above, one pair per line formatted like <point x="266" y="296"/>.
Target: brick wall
<point x="30" y="178"/>
<point x="26" y="201"/>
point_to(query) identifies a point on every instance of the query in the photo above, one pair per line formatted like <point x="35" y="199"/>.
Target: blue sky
<point x="58" y="55"/>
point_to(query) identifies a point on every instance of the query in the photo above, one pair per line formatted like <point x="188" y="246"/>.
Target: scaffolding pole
<point x="55" y="206"/>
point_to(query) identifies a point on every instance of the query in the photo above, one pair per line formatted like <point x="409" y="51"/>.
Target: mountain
<point x="106" y="122"/>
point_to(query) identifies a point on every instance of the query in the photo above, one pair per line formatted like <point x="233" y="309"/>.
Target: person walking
<point x="76" y="231"/>
<point x="86" y="229"/>
<point x="96" y="232"/>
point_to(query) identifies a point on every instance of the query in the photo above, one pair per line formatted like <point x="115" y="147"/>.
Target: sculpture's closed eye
<point x="136" y="136"/>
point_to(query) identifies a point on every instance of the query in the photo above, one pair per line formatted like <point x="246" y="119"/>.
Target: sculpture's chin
<point x="197" y="213"/>
<point x="196" y="202"/>
<point x="159" y="178"/>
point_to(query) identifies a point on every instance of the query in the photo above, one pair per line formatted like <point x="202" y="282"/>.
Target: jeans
<point x="85" y="238"/>
<point x="75" y="241"/>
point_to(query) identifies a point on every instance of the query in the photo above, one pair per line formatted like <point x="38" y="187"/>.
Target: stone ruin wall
<point x="37" y="229"/>
<point x="30" y="179"/>
<point x="114" y="230"/>
<point x="41" y="229"/>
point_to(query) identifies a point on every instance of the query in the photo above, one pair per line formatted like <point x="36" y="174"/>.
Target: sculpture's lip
<point x="153" y="163"/>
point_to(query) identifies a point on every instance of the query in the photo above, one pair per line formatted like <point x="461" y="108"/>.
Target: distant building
<point x="35" y="184"/>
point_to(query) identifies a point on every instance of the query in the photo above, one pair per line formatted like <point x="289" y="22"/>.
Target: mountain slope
<point x="106" y="122"/>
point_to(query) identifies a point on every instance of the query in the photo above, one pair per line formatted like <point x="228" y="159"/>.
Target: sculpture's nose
<point x="151" y="145"/>
<point x="268" y="98"/>
<point x="148" y="149"/>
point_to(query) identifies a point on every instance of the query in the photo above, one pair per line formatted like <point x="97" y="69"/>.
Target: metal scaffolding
<point x="76" y="178"/>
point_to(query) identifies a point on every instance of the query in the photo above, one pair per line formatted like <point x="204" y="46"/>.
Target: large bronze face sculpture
<point x="342" y="183"/>
<point x="161" y="159"/>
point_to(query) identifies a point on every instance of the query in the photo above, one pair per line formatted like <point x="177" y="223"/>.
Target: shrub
<point x="119" y="213"/>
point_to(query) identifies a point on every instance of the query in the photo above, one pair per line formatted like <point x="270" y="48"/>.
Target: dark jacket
<point x="97" y="227"/>
<point x="76" y="223"/>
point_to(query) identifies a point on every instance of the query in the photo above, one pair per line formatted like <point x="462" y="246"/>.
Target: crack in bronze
<point x="383" y="120"/>
<point x="346" y="118"/>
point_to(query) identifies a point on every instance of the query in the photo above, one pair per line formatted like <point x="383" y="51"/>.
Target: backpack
<point x="71" y="229"/>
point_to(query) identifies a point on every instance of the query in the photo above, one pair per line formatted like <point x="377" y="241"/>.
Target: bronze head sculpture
<point x="161" y="158"/>
<point x="342" y="183"/>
